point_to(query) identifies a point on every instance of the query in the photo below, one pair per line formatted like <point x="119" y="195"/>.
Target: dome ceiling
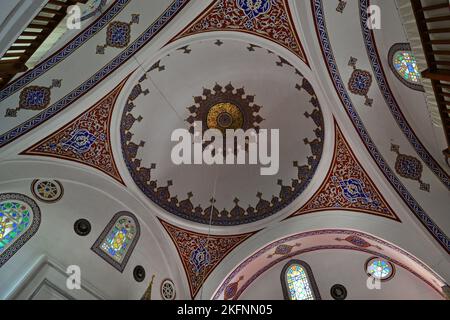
<point x="223" y="84"/>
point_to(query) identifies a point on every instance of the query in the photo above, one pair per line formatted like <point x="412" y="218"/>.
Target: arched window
<point x="404" y="66"/>
<point x="20" y="218"/>
<point x="298" y="282"/>
<point x="118" y="239"/>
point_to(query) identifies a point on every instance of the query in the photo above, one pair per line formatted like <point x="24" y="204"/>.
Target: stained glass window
<point x="380" y="268"/>
<point x="298" y="282"/>
<point x="405" y="64"/>
<point x="20" y="218"/>
<point x="118" y="239"/>
<point x="14" y="220"/>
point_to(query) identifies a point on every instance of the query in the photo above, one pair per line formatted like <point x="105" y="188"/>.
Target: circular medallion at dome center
<point x="225" y="116"/>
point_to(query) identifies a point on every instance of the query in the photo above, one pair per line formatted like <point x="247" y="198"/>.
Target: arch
<point x="281" y="249"/>
<point x="298" y="273"/>
<point x="404" y="66"/>
<point x="20" y="218"/>
<point x="117" y="241"/>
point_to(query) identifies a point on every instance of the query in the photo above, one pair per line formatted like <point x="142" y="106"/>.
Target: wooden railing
<point x="433" y="21"/>
<point x="15" y="58"/>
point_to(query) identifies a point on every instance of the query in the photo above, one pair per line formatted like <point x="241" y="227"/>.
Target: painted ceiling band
<point x="391" y="102"/>
<point x="322" y="34"/>
<point x="89" y="84"/>
<point x="64" y="52"/>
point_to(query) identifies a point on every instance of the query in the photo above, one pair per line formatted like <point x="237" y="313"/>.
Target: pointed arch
<point x="20" y="218"/>
<point x="117" y="241"/>
<point x="298" y="283"/>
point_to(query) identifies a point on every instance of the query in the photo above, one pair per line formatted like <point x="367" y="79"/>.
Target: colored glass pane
<point x="298" y="283"/>
<point x="119" y="238"/>
<point x="379" y="268"/>
<point x="406" y="65"/>
<point x="14" y="220"/>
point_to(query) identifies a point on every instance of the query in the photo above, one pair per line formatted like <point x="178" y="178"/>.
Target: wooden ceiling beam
<point x="44" y="26"/>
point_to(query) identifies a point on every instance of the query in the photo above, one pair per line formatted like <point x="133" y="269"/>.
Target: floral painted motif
<point x="283" y="249"/>
<point x="34" y="98"/>
<point x="200" y="258"/>
<point x="254" y="8"/>
<point x="359" y="242"/>
<point x="360" y="82"/>
<point x="341" y="6"/>
<point x="353" y="190"/>
<point x="409" y="167"/>
<point x="85" y="139"/>
<point x="231" y="289"/>
<point x="118" y="34"/>
<point x="270" y="19"/>
<point x="201" y="253"/>
<point x="80" y="141"/>
<point x="347" y="186"/>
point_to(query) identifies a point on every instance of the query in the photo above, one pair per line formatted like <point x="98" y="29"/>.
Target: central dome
<point x="221" y="84"/>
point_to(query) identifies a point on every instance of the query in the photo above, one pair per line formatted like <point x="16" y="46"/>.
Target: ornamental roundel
<point x="360" y="82"/>
<point x="409" y="167"/>
<point x="34" y="98"/>
<point x="380" y="269"/>
<point x="225" y="108"/>
<point x="168" y="291"/>
<point x="220" y="84"/>
<point x="118" y="34"/>
<point x="47" y="190"/>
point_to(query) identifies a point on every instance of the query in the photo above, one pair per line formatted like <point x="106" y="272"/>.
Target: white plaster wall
<point x="96" y="200"/>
